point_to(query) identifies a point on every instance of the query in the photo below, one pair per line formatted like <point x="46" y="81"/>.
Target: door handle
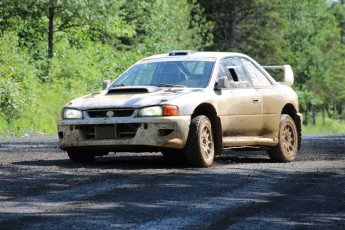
<point x="256" y="99"/>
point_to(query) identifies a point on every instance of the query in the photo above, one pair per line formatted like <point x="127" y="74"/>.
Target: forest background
<point x="54" y="50"/>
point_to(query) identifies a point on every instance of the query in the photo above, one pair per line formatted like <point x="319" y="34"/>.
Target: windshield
<point x="167" y="73"/>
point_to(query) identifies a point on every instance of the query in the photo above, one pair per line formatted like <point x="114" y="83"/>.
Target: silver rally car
<point x="186" y="103"/>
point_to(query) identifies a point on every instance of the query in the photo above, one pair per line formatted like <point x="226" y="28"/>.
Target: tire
<point x="199" y="150"/>
<point x="287" y="146"/>
<point x="80" y="156"/>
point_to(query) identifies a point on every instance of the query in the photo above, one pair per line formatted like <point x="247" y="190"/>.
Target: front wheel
<point x="287" y="146"/>
<point x="199" y="150"/>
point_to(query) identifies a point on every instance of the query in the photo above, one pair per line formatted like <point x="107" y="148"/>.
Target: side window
<point x="235" y="71"/>
<point x="223" y="71"/>
<point x="257" y="77"/>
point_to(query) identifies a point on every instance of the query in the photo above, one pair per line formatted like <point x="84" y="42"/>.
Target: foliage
<point x="317" y="55"/>
<point x="96" y="20"/>
<point x="308" y="35"/>
<point x="331" y="126"/>
<point x="17" y="79"/>
<point x="88" y="42"/>
<point x="161" y="26"/>
<point x="253" y="27"/>
<point x="54" y="50"/>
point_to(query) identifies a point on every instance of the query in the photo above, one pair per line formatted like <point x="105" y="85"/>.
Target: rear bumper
<point x="121" y="134"/>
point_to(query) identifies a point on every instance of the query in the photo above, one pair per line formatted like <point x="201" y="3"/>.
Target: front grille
<point x="113" y="131"/>
<point x="100" y="113"/>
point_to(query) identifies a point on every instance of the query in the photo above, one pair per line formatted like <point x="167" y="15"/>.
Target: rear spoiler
<point x="288" y="73"/>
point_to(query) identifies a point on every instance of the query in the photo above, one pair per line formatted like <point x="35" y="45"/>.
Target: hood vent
<point x="133" y="89"/>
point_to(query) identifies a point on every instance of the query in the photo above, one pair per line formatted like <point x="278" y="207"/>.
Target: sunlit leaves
<point x="17" y="78"/>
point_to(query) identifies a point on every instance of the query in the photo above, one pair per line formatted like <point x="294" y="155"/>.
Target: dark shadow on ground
<point x="150" y="161"/>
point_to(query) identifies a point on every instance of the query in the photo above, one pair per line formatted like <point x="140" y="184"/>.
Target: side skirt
<point x="243" y="142"/>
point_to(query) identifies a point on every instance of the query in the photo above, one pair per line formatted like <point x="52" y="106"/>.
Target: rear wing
<point x="288" y="73"/>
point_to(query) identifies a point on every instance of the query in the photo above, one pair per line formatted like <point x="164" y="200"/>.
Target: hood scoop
<point x="133" y="89"/>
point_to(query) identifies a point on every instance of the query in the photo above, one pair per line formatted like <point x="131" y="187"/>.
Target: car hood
<point x="129" y="97"/>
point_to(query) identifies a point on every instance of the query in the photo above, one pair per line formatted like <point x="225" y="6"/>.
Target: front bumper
<point x="121" y="134"/>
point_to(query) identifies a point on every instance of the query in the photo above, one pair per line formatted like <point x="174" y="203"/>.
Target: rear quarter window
<point x="256" y="76"/>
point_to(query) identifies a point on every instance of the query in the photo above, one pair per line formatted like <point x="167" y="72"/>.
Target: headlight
<point x="151" y="111"/>
<point x="166" y="110"/>
<point x="72" y="114"/>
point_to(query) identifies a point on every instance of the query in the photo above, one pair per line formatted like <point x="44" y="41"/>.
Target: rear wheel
<point x="287" y="146"/>
<point x="80" y="156"/>
<point x="199" y="150"/>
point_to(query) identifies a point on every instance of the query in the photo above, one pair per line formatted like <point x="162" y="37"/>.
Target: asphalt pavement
<point x="40" y="188"/>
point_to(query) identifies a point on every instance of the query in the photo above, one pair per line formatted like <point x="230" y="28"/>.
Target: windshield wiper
<point x="168" y="85"/>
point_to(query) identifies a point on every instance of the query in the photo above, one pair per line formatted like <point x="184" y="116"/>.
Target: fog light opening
<point x="165" y="132"/>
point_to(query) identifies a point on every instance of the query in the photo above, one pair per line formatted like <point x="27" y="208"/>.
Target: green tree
<point x="338" y="9"/>
<point x="17" y="79"/>
<point x="163" y="25"/>
<point x="95" y="20"/>
<point x="252" y="26"/>
<point x="316" y="52"/>
<point x="87" y="41"/>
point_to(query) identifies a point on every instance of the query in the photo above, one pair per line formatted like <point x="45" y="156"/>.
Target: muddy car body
<point x="186" y="103"/>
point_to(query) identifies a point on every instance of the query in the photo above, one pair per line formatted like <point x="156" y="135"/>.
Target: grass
<point x="330" y="127"/>
<point x="41" y="117"/>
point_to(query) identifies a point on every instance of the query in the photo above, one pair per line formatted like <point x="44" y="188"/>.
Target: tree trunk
<point x="313" y="110"/>
<point x="233" y="24"/>
<point x="323" y="115"/>
<point x="51" y="32"/>
<point x="342" y="29"/>
<point x="329" y="113"/>
<point x="306" y="113"/>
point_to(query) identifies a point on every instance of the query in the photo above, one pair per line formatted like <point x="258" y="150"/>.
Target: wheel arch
<point x="290" y="110"/>
<point x="210" y="112"/>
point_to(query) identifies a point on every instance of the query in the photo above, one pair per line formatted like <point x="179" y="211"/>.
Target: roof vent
<point x="181" y="52"/>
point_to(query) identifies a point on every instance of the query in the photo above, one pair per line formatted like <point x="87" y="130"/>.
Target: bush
<point x="17" y="81"/>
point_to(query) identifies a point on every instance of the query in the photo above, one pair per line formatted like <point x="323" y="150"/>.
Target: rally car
<point x="186" y="103"/>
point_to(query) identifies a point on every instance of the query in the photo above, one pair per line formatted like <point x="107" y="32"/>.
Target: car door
<point x="239" y="106"/>
<point x="271" y="98"/>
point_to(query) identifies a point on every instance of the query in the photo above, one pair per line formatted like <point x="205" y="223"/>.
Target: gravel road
<point x="40" y="188"/>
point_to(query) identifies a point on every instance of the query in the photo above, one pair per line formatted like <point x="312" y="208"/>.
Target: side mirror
<point x="106" y="84"/>
<point x="223" y="83"/>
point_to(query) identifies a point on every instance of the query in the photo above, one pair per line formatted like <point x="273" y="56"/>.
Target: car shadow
<point x="148" y="161"/>
<point x="243" y="157"/>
